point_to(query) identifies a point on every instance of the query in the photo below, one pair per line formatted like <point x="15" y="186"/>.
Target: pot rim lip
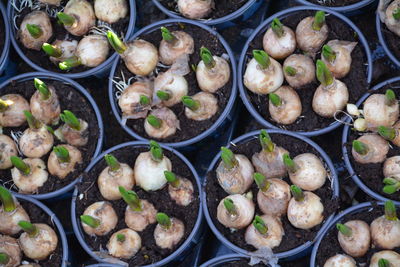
<point x="224" y="258"/>
<point x="182" y="247"/>
<point x="382" y="41"/>
<point x="91" y="103"/>
<point x="242" y="61"/>
<point x="6" y="48"/>
<point x="338" y="217"/>
<point x="343" y="9"/>
<point x="254" y="134"/>
<point x="54" y="218"/>
<point x="209" y="22"/>
<point x="89" y="72"/>
<point x="346" y="153"/>
<point x="224" y="114"/>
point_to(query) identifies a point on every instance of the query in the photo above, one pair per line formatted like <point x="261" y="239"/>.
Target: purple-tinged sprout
<point x="99" y="218"/>
<point x="195" y="9"/>
<point x="75" y="131"/>
<point x="28" y="174"/>
<point x="385" y="258"/>
<point x="312" y="32"/>
<point x="265" y="231"/>
<point x="10" y="252"/>
<point x="235" y="211"/>
<point x="78" y="17"/>
<point x="124" y="244"/>
<point x="174" y="45"/>
<point x="180" y="189"/>
<point x="299" y="70"/>
<point x="161" y="123"/>
<point x="337" y="56"/>
<point x="11" y="212"/>
<point x="12" y="108"/>
<point x="63" y="160"/>
<point x="279" y="41"/>
<point x="202" y="106"/>
<point x="284" y="105"/>
<point x="385" y="230"/>
<point x="168" y="232"/>
<point x="110" y="11"/>
<point x="340" y="260"/>
<point x="370" y="148"/>
<point x="354" y="237"/>
<point x="35" y="30"/>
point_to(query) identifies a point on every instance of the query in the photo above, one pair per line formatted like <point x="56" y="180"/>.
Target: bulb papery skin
<point x="307" y="213"/>
<point x="75" y="137"/>
<point x="270" y="164"/>
<point x="305" y="70"/>
<point x="391" y="167"/>
<point x="149" y="174"/>
<point x="279" y="47"/>
<point x="377" y="113"/>
<point x="126" y="249"/>
<point x="29" y="265"/>
<point x="170" y="52"/>
<point x="92" y="50"/>
<point x="271" y="239"/>
<point x="129" y="101"/>
<point x="356" y="245"/>
<point x="139" y="220"/>
<point x="169" y="238"/>
<point x="38" y="18"/>
<point x="40" y="246"/>
<point x="30" y="183"/>
<point x="238" y="179"/>
<point x="208" y="107"/>
<point x="67" y="47"/>
<point x="62" y="169"/>
<point x="195" y="9"/>
<point x="47" y="111"/>
<point x="140" y="57"/>
<point x="244" y="212"/>
<point x="169" y="125"/>
<point x="110" y="11"/>
<point x="183" y="194"/>
<point x="340" y="67"/>
<point x="388" y="18"/>
<point x="377" y="149"/>
<point x="51" y="2"/>
<point x="384" y="233"/>
<point x="391" y="256"/>
<point x="35" y="143"/>
<point x="9" y="220"/>
<point x="210" y="80"/>
<point x="103" y="211"/>
<point x="14" y="116"/>
<point x="308" y="39"/>
<point x="84" y="16"/>
<point x="275" y="200"/>
<point x="311" y="173"/>
<point x="7" y="149"/>
<point x="9" y="246"/>
<point x="174" y="84"/>
<point x="263" y="81"/>
<point x="327" y="101"/>
<point x="290" y="109"/>
<point x="340" y="260"/>
<point x="109" y="181"/>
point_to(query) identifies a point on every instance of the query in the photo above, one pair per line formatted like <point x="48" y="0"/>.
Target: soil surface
<point x="330" y="245"/>
<point x="59" y="33"/>
<point x="222" y="7"/>
<point x="356" y="79"/>
<point x="334" y="3"/>
<point x="189" y="128"/>
<point x="79" y="106"/>
<point x="392" y="41"/>
<point x="293" y="237"/>
<point x="149" y="253"/>
<point x="372" y="174"/>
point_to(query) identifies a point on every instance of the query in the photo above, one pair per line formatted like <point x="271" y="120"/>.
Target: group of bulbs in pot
<point x="275" y="198"/>
<point x="152" y="97"/>
<point x="79" y="18"/>
<point x="264" y="75"/>
<point x="356" y="238"/>
<point x="389" y="13"/>
<point x="37" y="241"/>
<point x="41" y="113"/>
<point x="378" y="124"/>
<point x="151" y="172"/>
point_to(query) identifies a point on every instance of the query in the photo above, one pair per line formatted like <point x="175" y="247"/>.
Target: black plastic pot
<point x="4" y="57"/>
<point x="382" y="41"/>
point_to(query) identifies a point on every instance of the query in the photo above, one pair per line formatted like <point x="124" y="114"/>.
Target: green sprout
<point x="391" y="185"/>
<point x="291" y="166"/>
<point x="65" y="19"/>
<point x="383" y="263"/>
<point x="131" y="198"/>
<point x="156" y="151"/>
<point x="297" y="193"/>
<point x="388" y="133"/>
<point x="112" y="162"/>
<point x="90" y="221"/>
<point x="121" y="238"/>
<point x="261" y="181"/>
<point x="265" y="141"/>
<point x="163" y="95"/>
<point x="390" y="211"/>
<point x="230" y="206"/>
<point x="29" y="228"/>
<point x="290" y="71"/>
<point x="167" y="35"/>
<point x="277" y="27"/>
<point x="32" y="121"/>
<point x="163" y="220"/>
<point x="343" y="229"/>
<point x="154" y="121"/>
<point x="328" y="53"/>
<point x="396" y="14"/>
<point x="228" y="158"/>
<point x="190" y="103"/>
<point x="319" y="20"/>
<point x="4" y="258"/>
<point x="62" y="154"/>
<point x="172" y="179"/>
<point x="34" y="30"/>
<point x="260" y="225"/>
<point x="207" y="58"/>
<point x="144" y="100"/>
<point x="390" y="97"/>
<point x="324" y="75"/>
<point x="116" y="43"/>
<point x="52" y="50"/>
<point x="20" y="165"/>
<point x="262" y="58"/>
<point x="71" y="120"/>
<point x="42" y="88"/>
<point x="360" y="147"/>
<point x="275" y="99"/>
<point x="70" y="63"/>
<point x="4" y="104"/>
<point x="7" y="199"/>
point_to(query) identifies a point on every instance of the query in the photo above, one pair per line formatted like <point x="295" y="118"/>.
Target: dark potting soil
<point x="37" y="215"/>
<point x="189" y="128"/>
<point x="222" y="7"/>
<point x="293" y="237"/>
<point x="392" y="41"/>
<point x="334" y="3"/>
<point x="72" y="100"/>
<point x="149" y="253"/>
<point x="372" y="174"/>
<point x="330" y="245"/>
<point x="356" y="80"/>
<point x="41" y="59"/>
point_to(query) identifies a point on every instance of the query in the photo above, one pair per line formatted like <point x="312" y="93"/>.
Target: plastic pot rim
<point x="92" y="71"/>
<point x="76" y="225"/>
<point x="222" y="116"/>
<point x="243" y="57"/>
<point x="92" y="103"/>
<point x="346" y="157"/>
<point x="254" y="135"/>
<point x="6" y="48"/>
<point x="341" y="9"/>
<point x="382" y="41"/>
<point x="223" y="258"/>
